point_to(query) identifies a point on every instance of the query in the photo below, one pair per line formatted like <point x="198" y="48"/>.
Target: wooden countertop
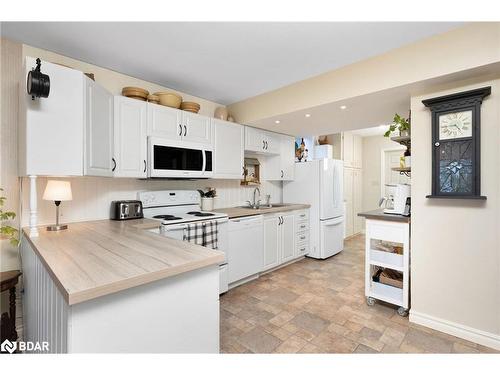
<point x="234" y="212"/>
<point x="96" y="258"/>
<point x="380" y="215"/>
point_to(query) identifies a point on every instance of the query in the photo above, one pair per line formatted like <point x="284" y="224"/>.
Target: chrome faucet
<point x="256" y="203"/>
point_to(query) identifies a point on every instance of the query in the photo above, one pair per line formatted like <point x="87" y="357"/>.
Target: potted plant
<point x="207" y="199"/>
<point x="7" y="232"/>
<point x="399" y="123"/>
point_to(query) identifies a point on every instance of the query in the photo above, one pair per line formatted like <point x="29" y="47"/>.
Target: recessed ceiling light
<point x="277" y="121"/>
<point x="308" y="115"/>
<point x="343" y="107"/>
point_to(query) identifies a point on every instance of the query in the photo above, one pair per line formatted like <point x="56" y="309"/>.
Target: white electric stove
<point x="174" y="209"/>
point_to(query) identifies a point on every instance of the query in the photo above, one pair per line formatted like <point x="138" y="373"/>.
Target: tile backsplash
<point x="92" y="196"/>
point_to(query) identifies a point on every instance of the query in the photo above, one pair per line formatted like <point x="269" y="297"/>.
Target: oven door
<point x="178" y="159"/>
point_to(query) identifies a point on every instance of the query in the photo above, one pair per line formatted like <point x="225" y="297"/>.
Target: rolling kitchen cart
<point x="387" y="246"/>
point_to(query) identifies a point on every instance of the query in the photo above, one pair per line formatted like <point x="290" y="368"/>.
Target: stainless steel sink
<point x="264" y="207"/>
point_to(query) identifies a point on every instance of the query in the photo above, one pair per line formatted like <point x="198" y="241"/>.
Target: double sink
<point x="264" y="207"/>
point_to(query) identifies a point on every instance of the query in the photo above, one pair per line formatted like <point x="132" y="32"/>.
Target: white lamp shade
<point x="57" y="191"/>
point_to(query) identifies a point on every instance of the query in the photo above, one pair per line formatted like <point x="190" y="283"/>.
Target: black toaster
<point x="125" y="210"/>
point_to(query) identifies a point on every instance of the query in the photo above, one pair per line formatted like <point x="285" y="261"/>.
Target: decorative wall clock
<point x="456" y="144"/>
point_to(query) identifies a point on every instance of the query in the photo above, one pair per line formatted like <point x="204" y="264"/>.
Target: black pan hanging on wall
<point x="37" y="83"/>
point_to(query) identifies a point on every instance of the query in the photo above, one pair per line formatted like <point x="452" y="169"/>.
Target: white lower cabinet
<point x="284" y="240"/>
<point x="271" y="242"/>
<point x="287" y="237"/>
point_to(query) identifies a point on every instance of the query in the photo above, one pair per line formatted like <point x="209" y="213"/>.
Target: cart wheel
<point x="402" y="311"/>
<point x="370" y="301"/>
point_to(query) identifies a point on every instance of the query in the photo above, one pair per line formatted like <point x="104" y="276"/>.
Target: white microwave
<point x="177" y="159"/>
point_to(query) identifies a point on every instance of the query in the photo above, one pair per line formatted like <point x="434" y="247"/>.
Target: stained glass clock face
<point x="455" y="125"/>
<point x="456" y="167"/>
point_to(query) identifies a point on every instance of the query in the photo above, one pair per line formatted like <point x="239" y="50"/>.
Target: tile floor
<point x="314" y="306"/>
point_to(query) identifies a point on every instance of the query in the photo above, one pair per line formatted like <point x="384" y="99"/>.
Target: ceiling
<point x="365" y="111"/>
<point x="370" y="132"/>
<point x="222" y="62"/>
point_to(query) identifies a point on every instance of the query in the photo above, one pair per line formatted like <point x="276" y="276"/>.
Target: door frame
<point x="382" y="164"/>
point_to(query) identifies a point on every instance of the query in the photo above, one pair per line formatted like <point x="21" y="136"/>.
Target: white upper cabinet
<point x="51" y="129"/>
<point x="228" y="149"/>
<point x="287" y="156"/>
<point x="281" y="167"/>
<point x="357" y="146"/>
<point x="254" y="141"/>
<point x="174" y="124"/>
<point x="164" y="122"/>
<point x="348" y="149"/>
<point x="196" y="128"/>
<point x="98" y="131"/>
<point x="261" y="141"/>
<point x="130" y="140"/>
<point x="273" y="142"/>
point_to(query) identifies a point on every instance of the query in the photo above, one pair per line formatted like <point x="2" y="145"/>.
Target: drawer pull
<point x="303" y="249"/>
<point x="302" y="237"/>
<point x="302" y="226"/>
<point x="302" y="215"/>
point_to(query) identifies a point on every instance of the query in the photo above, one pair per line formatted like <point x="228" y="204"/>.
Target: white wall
<point x="455" y="248"/>
<point x="372" y="168"/>
<point x="92" y="196"/>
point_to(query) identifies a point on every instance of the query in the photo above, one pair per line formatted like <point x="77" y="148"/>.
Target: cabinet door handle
<point x="114" y="164"/>
<point x="263" y="145"/>
<point x="282" y="173"/>
<point x="185" y="130"/>
<point x="243" y="172"/>
<point x="180" y="129"/>
<point x="267" y="146"/>
<point x="145" y="166"/>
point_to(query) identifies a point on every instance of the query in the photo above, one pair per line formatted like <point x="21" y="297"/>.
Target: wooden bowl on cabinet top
<point x="152" y="98"/>
<point x="190" y="107"/>
<point x="135" y="92"/>
<point x="169" y="99"/>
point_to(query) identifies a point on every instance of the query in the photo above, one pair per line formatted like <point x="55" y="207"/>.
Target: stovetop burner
<point x="198" y="213"/>
<point x="167" y="217"/>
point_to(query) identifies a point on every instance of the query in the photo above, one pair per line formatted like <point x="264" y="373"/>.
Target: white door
<point x="348" y="198"/>
<point x="228" y="149"/>
<point x="130" y="137"/>
<point x="392" y="160"/>
<point x="271" y="242"/>
<point x="164" y="122"/>
<point x="331" y="188"/>
<point x="287" y="228"/>
<point x="331" y="237"/>
<point x="196" y="128"/>
<point x="287" y="156"/>
<point x="99" y="130"/>
<point x="254" y="140"/>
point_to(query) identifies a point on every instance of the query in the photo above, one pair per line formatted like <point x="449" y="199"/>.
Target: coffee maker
<point x="398" y="199"/>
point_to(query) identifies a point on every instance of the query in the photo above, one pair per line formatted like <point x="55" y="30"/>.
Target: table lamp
<point x="57" y="191"/>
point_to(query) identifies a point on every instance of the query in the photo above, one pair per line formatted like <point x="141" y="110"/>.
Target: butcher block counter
<point x="95" y="258"/>
<point x="235" y="212"/>
<point x="115" y="286"/>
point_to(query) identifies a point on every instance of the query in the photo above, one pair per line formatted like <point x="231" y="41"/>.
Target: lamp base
<point x="52" y="228"/>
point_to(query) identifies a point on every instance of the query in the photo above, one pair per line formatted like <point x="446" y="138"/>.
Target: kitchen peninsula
<point x="108" y="286"/>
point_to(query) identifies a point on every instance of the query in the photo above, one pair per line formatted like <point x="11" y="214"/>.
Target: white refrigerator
<point x="320" y="184"/>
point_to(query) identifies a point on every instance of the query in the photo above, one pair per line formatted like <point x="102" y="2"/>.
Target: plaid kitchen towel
<point x="211" y="233"/>
<point x="204" y="234"/>
<point x="193" y="233"/>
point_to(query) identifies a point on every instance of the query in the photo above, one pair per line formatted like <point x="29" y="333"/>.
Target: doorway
<point x="391" y="159"/>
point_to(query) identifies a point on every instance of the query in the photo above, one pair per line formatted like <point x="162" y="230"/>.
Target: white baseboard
<point x="464" y="332"/>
